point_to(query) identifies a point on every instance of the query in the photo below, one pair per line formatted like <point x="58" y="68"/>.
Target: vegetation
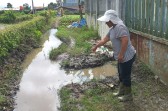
<point x="92" y="99"/>
<point x="52" y="6"/>
<point x="68" y="19"/>
<point x="26" y="8"/>
<point x="12" y="36"/>
<point x="62" y="48"/>
<point x="15" y="42"/>
<point x="9" y="5"/>
<point x="9" y="17"/>
<point x="80" y="35"/>
<point x="93" y="96"/>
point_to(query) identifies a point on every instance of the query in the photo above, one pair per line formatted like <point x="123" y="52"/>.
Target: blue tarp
<point x="81" y="23"/>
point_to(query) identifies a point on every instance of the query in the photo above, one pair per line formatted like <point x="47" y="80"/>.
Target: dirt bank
<point x="11" y="71"/>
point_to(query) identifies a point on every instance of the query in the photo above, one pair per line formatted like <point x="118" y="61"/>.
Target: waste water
<point x="43" y="78"/>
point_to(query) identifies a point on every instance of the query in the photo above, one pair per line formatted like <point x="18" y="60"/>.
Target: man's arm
<point x="124" y="45"/>
<point x="100" y="43"/>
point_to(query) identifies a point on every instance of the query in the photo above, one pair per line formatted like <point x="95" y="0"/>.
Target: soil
<point x="85" y="61"/>
<point x="149" y="94"/>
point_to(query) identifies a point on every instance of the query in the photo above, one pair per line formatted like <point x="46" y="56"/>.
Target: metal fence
<point x="148" y="16"/>
<point x="100" y="6"/>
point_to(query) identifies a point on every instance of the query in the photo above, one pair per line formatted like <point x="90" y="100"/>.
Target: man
<point x="124" y="52"/>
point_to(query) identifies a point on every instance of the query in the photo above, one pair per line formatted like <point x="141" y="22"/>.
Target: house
<point x="70" y="3"/>
<point x="72" y="6"/>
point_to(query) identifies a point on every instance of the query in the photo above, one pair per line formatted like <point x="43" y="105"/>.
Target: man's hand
<point x="100" y="43"/>
<point x="120" y="58"/>
<point x="94" y="48"/>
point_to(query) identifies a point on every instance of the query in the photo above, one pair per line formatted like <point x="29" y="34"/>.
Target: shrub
<point x="12" y="37"/>
<point x="8" y="17"/>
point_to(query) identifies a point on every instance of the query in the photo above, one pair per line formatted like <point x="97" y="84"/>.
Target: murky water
<point x="42" y="78"/>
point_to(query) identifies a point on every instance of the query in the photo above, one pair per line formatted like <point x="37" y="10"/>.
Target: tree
<point x="58" y="3"/>
<point x="26" y="8"/>
<point x="9" y="5"/>
<point x="52" y="6"/>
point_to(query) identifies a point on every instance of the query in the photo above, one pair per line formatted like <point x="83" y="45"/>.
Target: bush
<point x="8" y="17"/>
<point x="21" y="18"/>
<point x="57" y="51"/>
<point x="12" y="37"/>
<point x="14" y="17"/>
<point x="68" y="19"/>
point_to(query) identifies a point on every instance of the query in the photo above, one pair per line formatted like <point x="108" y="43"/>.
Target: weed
<point x="57" y="51"/>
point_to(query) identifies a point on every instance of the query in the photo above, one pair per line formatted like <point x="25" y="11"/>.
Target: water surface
<point x="43" y="78"/>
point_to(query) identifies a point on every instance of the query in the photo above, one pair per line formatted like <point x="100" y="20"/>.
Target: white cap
<point x="110" y="15"/>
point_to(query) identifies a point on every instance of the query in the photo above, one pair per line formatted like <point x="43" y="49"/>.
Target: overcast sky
<point x="17" y="3"/>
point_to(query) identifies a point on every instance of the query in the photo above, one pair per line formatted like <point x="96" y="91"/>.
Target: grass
<point x="146" y="92"/>
<point x="94" y="99"/>
<point x="2" y="98"/>
<point x="10" y="76"/>
<point x="55" y="52"/>
<point x="67" y="19"/>
<point x="80" y="35"/>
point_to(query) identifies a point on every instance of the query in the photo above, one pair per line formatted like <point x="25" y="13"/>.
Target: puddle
<point x="101" y="72"/>
<point x="42" y="78"/>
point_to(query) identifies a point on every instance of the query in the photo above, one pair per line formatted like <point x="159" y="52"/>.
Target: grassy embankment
<point x="81" y="36"/>
<point x="16" y="41"/>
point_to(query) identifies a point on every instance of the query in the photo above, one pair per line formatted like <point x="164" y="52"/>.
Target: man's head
<point x="110" y="17"/>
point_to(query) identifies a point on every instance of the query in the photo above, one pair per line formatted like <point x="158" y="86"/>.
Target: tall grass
<point x="68" y="19"/>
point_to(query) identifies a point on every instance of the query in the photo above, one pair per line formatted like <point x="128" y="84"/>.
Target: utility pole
<point x="80" y="9"/>
<point x="33" y="7"/>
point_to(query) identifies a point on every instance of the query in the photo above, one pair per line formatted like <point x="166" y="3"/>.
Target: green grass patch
<point x="55" y="52"/>
<point x="68" y="19"/>
<point x="94" y="99"/>
<point x="80" y="35"/>
<point x="2" y="99"/>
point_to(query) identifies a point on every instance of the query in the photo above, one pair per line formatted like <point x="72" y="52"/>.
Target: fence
<point x="148" y="24"/>
<point x="148" y="16"/>
<point x="100" y="6"/>
<point x="96" y="8"/>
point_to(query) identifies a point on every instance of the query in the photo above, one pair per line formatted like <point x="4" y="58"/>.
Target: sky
<point x="17" y="3"/>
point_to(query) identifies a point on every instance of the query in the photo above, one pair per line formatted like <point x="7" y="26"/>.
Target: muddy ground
<point x="148" y="92"/>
